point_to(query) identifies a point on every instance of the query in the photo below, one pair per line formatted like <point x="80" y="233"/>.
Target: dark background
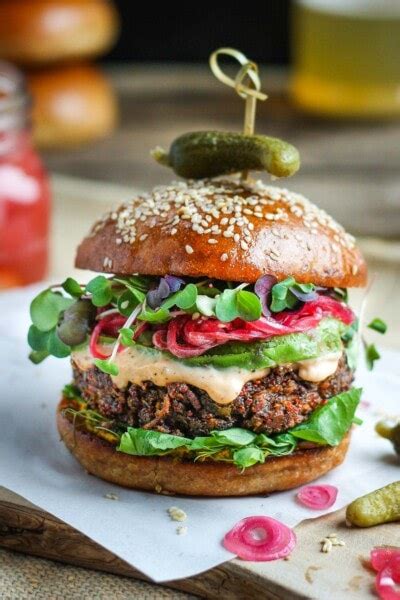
<point x="161" y="32"/>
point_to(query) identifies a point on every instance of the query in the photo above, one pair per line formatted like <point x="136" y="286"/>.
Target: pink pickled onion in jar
<point x="24" y="189"/>
<point x="318" y="497"/>
<point x="260" y="539"/>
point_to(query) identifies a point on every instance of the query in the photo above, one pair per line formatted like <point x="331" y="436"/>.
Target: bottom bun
<point x="164" y="474"/>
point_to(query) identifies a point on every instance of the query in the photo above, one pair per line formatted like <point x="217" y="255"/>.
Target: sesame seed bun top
<point x="224" y="229"/>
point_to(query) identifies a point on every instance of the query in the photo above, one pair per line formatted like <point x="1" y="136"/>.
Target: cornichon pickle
<point x="391" y="433"/>
<point x="204" y="154"/>
<point x="380" y="506"/>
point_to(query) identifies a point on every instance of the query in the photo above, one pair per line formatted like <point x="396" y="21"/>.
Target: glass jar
<point x="24" y="189"/>
<point x="346" y="57"/>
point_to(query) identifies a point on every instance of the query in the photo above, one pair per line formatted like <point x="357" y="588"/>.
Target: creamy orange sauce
<point x="318" y="369"/>
<point x="222" y="385"/>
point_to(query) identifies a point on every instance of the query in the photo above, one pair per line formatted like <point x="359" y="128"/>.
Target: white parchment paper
<point x="36" y="465"/>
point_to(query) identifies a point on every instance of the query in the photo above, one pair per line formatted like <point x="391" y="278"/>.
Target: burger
<point x="214" y="353"/>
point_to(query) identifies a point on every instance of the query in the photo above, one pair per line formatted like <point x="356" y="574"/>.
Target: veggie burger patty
<point x="272" y="404"/>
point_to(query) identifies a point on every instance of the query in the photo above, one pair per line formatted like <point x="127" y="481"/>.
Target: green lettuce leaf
<point x="143" y="442"/>
<point x="328" y="424"/>
<point x="247" y="457"/>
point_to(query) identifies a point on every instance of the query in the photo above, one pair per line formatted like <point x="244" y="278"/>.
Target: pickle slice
<point x="389" y="432"/>
<point x="380" y="506"/>
<point x="202" y="154"/>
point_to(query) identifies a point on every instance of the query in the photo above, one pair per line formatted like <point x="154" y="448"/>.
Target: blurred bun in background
<point x="73" y="105"/>
<point x="42" y="32"/>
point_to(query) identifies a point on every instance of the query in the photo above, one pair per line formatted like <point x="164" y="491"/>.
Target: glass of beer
<point x="346" y="57"/>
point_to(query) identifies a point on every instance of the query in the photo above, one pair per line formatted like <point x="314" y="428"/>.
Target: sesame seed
<point x="181" y="530"/>
<point x="111" y="496"/>
<point x="212" y="241"/>
<point x="173" y="231"/>
<point x="236" y="237"/>
<point x="326" y="546"/>
<point x="143" y="237"/>
<point x="189" y="249"/>
<point x="244" y="245"/>
<point x="177" y="514"/>
<point x="224" y="257"/>
<point x="354" y="269"/>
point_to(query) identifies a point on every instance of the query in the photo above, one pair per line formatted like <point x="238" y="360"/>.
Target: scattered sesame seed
<point x="111" y="496"/>
<point x="244" y="245"/>
<point x="224" y="257"/>
<point x="329" y="541"/>
<point x="189" y="249"/>
<point x="326" y="546"/>
<point x="173" y="231"/>
<point x="236" y="237"/>
<point x="181" y="530"/>
<point x="177" y="514"/>
<point x="143" y="237"/>
<point x="212" y="241"/>
<point x="354" y="269"/>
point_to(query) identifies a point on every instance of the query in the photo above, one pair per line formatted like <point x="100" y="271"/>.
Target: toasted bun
<point x="171" y="476"/>
<point x="224" y="229"/>
<point x="38" y="32"/>
<point x="71" y="105"/>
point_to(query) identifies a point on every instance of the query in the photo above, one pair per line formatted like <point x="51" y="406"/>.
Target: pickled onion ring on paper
<point x="318" y="497"/>
<point x="381" y="556"/>
<point x="387" y="581"/>
<point x="260" y="539"/>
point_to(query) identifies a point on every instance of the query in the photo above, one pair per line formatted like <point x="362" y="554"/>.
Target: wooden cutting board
<point x="309" y="573"/>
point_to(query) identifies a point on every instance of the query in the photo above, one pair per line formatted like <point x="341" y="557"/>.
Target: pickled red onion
<point x="318" y="497"/>
<point x="185" y="337"/>
<point x="387" y="581"/>
<point x="382" y="555"/>
<point x="260" y="539"/>
<point x="109" y="325"/>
